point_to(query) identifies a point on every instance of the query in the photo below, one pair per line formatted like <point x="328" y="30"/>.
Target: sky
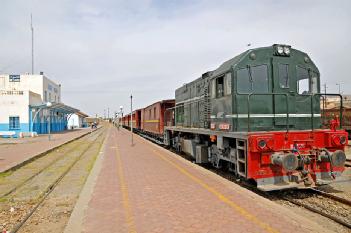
<point x="102" y="52"/>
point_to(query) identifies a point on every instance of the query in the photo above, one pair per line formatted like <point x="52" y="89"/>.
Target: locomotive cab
<point x="265" y="90"/>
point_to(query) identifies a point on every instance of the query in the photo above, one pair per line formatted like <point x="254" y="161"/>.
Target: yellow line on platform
<point x="125" y="197"/>
<point x="219" y="195"/>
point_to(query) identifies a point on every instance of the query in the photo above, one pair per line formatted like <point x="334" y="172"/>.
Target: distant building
<point x="77" y="120"/>
<point x="28" y="103"/>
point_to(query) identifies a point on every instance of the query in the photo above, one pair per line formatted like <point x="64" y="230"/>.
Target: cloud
<point x="102" y="51"/>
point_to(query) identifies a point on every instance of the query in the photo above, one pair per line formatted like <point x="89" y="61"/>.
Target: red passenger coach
<point x="152" y="118"/>
<point x="137" y="119"/>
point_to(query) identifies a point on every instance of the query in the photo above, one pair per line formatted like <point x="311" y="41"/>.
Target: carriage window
<point x="228" y="84"/>
<point x="252" y="79"/>
<point x="220" y="87"/>
<point x="284" y="75"/>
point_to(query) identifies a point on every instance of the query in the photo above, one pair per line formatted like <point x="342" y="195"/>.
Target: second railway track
<point x="35" y="189"/>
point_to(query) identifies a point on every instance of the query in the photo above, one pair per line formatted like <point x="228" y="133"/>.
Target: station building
<point x="31" y="104"/>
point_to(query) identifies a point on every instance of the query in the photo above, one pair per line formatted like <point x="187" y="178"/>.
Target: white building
<point x="24" y="108"/>
<point x="77" y="120"/>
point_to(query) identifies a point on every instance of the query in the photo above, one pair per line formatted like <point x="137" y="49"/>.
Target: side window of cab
<point x="221" y="86"/>
<point x="307" y="81"/>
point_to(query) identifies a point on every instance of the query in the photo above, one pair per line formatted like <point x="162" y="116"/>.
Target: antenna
<point x="32" y="29"/>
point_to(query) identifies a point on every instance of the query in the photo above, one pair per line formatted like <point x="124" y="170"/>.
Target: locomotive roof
<point x="235" y="60"/>
<point x="227" y="64"/>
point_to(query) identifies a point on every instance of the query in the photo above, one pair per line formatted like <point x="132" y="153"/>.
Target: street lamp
<point x="121" y="111"/>
<point x="49" y="104"/>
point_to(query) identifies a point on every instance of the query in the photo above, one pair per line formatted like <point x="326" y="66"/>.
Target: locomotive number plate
<point x="224" y="126"/>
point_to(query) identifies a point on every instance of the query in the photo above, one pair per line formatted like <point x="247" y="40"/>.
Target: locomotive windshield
<point x="252" y="79"/>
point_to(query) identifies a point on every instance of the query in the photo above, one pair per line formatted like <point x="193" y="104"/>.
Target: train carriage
<point x="152" y="118"/>
<point x="259" y="116"/>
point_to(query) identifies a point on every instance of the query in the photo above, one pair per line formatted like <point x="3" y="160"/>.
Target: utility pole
<point x="108" y="113"/>
<point x="338" y="84"/>
<point x="131" y="117"/>
<point x="32" y="29"/>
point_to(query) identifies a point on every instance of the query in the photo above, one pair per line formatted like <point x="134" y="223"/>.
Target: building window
<point x="14" y="122"/>
<point x="49" y="97"/>
<point x="14" y="78"/>
<point x="45" y="96"/>
<point x="154" y="112"/>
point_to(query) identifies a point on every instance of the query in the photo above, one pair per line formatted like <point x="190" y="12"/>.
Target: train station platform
<point x="146" y="188"/>
<point x="16" y="151"/>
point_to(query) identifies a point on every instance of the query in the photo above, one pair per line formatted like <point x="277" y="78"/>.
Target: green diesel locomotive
<point x="259" y="116"/>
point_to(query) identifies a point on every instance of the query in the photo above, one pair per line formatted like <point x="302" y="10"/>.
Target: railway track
<point x="16" y="187"/>
<point x="52" y="185"/>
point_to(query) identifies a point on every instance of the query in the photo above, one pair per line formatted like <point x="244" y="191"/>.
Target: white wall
<point x="36" y="83"/>
<point x="14" y="104"/>
<point x="73" y="121"/>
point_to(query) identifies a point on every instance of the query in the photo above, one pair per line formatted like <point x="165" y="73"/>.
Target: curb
<point x="21" y="164"/>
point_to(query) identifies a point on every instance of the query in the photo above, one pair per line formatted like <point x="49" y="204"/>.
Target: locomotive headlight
<point x="339" y="140"/>
<point x="280" y="50"/>
<point x="262" y="143"/>
<point x="287" y="50"/>
<point x="342" y="140"/>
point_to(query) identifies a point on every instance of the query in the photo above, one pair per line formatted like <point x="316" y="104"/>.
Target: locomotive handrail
<point x="272" y="94"/>
<point x="327" y="94"/>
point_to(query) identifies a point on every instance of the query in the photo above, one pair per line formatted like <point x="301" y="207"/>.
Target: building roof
<point x="61" y="107"/>
<point x="82" y="114"/>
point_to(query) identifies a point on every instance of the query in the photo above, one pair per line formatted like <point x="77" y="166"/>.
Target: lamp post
<point x="121" y="111"/>
<point x="49" y="104"/>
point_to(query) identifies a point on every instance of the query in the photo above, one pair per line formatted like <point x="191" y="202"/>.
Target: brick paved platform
<point x="146" y="188"/>
<point x="15" y="151"/>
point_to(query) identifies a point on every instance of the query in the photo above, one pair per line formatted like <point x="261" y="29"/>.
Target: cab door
<point x="283" y="82"/>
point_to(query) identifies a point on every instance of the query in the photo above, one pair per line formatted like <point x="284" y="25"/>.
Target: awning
<point x="59" y="107"/>
<point x="81" y="114"/>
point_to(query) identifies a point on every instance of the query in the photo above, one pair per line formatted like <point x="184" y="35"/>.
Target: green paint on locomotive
<point x="254" y="91"/>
